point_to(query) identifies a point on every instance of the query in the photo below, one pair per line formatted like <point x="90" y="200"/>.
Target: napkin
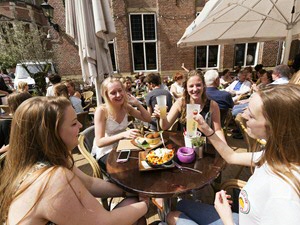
<point x="127" y="144"/>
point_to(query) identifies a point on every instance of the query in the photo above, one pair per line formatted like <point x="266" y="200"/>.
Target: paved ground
<point x="205" y="195"/>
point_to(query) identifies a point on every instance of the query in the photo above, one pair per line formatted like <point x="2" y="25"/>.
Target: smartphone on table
<point x="123" y="156"/>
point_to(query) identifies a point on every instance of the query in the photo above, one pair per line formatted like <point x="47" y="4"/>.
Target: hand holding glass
<point x="191" y="124"/>
<point x="162" y="104"/>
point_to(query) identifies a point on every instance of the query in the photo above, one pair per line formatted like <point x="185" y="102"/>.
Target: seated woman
<point x="272" y="194"/>
<point x="176" y="88"/>
<point x="13" y="100"/>
<point x="72" y="89"/>
<point x="111" y="118"/>
<point x="44" y="185"/>
<point x="194" y="93"/>
<point x="62" y="90"/>
<point x="22" y="87"/>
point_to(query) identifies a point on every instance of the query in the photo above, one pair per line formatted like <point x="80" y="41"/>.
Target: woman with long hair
<point x="39" y="182"/>
<point x="272" y="194"/>
<point x="111" y="118"/>
<point x="194" y="93"/>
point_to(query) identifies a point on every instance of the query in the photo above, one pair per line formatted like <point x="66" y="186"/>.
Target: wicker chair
<point x="85" y="145"/>
<point x="88" y="99"/>
<point x="83" y="118"/>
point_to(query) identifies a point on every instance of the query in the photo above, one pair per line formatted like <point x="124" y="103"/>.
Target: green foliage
<point x="21" y="42"/>
<point x="198" y="141"/>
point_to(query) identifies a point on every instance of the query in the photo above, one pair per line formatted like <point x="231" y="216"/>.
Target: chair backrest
<point x="83" y="118"/>
<point x="89" y="135"/>
<point x="85" y="144"/>
<point x="88" y="96"/>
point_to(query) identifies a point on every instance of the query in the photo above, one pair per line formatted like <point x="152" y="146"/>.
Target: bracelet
<point x="211" y="134"/>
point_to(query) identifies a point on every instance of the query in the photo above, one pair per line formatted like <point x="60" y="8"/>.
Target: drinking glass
<point x="191" y="124"/>
<point x="138" y="124"/>
<point x="162" y="104"/>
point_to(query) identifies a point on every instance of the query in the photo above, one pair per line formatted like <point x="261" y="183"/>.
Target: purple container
<point x="186" y="154"/>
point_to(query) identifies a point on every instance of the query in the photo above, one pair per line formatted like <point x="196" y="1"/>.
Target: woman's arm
<point x="171" y="116"/>
<point x="225" y="151"/>
<point x="216" y="120"/>
<point x="98" y="187"/>
<point x="141" y="113"/>
<point x="65" y="190"/>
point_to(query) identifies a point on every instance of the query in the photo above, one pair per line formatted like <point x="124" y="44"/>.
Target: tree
<point x="21" y="42"/>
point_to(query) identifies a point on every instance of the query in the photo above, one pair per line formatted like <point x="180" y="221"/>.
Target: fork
<point x="162" y="139"/>
<point x="181" y="168"/>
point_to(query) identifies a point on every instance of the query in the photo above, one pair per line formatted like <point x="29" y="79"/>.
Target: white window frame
<point x="245" y="55"/>
<point x="143" y="42"/>
<point x="115" y="55"/>
<point x="207" y="56"/>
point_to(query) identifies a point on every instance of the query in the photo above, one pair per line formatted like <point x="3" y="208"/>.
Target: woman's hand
<point x="132" y="133"/>
<point x="132" y="100"/>
<point x="156" y="112"/>
<point x="202" y="125"/>
<point x="222" y="205"/>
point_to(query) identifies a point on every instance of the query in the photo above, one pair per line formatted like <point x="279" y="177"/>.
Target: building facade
<point x="146" y="39"/>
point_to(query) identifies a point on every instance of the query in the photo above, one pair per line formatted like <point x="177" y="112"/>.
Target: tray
<point x="146" y="146"/>
<point x="143" y="165"/>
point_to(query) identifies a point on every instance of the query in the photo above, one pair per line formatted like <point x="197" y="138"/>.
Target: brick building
<point x="147" y="36"/>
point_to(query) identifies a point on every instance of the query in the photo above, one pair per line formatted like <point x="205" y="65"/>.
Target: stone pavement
<point x="205" y="195"/>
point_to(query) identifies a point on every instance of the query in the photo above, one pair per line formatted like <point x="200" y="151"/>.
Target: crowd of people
<point x="39" y="180"/>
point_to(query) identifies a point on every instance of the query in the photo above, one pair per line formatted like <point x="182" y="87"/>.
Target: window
<point x="207" y="56"/>
<point x="143" y="42"/>
<point x="111" y="45"/>
<point x="245" y="54"/>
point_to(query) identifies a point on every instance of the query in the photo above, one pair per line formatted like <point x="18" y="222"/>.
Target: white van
<point x="22" y="75"/>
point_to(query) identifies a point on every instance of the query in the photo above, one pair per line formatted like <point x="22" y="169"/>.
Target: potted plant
<point x="198" y="143"/>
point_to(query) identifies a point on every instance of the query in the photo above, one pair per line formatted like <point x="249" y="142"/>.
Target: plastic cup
<point x="191" y="124"/>
<point x="162" y="104"/>
<point x="188" y="139"/>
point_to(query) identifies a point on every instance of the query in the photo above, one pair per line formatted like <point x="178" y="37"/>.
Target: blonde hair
<point x="295" y="78"/>
<point x="104" y="94"/>
<point x="282" y="112"/>
<point x="61" y="90"/>
<point x="21" y="86"/>
<point x="35" y="127"/>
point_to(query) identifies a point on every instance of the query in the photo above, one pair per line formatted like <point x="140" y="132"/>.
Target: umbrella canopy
<point x="241" y="21"/>
<point x="91" y="25"/>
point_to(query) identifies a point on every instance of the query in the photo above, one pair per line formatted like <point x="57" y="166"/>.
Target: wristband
<point x="211" y="134"/>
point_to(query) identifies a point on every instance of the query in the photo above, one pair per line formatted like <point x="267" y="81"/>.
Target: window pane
<point x="112" y="55"/>
<point x="149" y="27"/>
<point x="138" y="56"/>
<point x="151" y="56"/>
<point x="251" y="53"/>
<point x="136" y="27"/>
<point x="239" y="54"/>
<point x="201" y="56"/>
<point x="213" y="55"/>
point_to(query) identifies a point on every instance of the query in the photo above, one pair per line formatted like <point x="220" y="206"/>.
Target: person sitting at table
<point x="272" y="194"/>
<point x="225" y="79"/>
<point x="240" y="86"/>
<point x="194" y="93"/>
<point x="154" y="84"/>
<point x="62" y="90"/>
<point x="111" y="118"/>
<point x="127" y="82"/>
<point x="23" y="86"/>
<point x="176" y="88"/>
<point x="14" y="100"/>
<point x="72" y="89"/>
<point x="54" y="79"/>
<point x="44" y="185"/>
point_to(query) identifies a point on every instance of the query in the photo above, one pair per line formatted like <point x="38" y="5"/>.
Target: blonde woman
<point x="111" y="118"/>
<point x="39" y="183"/>
<point x="22" y="87"/>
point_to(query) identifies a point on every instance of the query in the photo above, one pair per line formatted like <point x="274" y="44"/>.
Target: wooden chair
<point x="88" y="99"/>
<point x="253" y="145"/>
<point x="226" y="118"/>
<point x="85" y="145"/>
<point x="83" y="118"/>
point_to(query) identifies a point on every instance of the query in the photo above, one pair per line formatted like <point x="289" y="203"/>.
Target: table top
<point x="169" y="182"/>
